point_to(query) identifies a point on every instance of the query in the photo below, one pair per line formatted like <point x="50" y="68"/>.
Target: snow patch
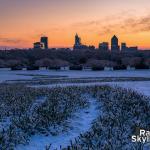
<point x="81" y="123"/>
<point x="5" y="123"/>
<point x="142" y="87"/>
<point x="37" y="103"/>
<point x="14" y="75"/>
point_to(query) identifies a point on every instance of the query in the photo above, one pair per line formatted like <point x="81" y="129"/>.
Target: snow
<point x="82" y="120"/>
<point x="79" y="74"/>
<point x="5" y="123"/>
<point x="139" y="86"/>
<point x="14" y="75"/>
<point x="142" y="87"/>
<point x="81" y="123"/>
<point x="36" y="104"/>
<point x="65" y="85"/>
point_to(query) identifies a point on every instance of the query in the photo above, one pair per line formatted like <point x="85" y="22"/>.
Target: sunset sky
<point x="22" y="22"/>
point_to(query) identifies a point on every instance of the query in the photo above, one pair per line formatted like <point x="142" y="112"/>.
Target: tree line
<point x="67" y="57"/>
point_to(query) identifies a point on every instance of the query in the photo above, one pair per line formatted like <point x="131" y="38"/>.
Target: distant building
<point x="78" y="45"/>
<point x="87" y="68"/>
<point x="108" y="68"/>
<point x="64" y="68"/>
<point x="44" y="40"/>
<point x="126" y="49"/>
<point x="133" y="48"/>
<point x="114" y="44"/>
<point x="104" y="46"/>
<point x="38" y="45"/>
<point x="77" y="40"/>
<point x="43" y="44"/>
<point x="123" y="46"/>
<point x="130" y="68"/>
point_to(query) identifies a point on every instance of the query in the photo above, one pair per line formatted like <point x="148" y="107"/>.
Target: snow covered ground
<point x="139" y="86"/>
<point x="83" y="119"/>
<point x="5" y="123"/>
<point x="142" y="87"/>
<point x="11" y="75"/>
<point x="36" y="104"/>
<point x="80" y="123"/>
<point x="14" y="75"/>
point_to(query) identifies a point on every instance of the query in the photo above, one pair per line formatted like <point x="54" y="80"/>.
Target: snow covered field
<point x="83" y="118"/>
<point x="81" y="123"/>
<point x="11" y="75"/>
<point x="14" y="75"/>
<point x="142" y="87"/>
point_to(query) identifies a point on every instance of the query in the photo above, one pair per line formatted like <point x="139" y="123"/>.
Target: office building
<point x="123" y="47"/>
<point x="114" y="44"/>
<point x="104" y="46"/>
<point x="44" y="40"/>
<point x="38" y="45"/>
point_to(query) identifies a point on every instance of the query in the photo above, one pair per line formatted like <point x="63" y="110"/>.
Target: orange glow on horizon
<point x="68" y="40"/>
<point x="61" y="20"/>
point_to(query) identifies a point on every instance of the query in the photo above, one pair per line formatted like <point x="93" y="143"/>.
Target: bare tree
<point x="44" y="62"/>
<point x="100" y="63"/>
<point x="13" y="63"/>
<point x="59" y="63"/>
<point x="131" y="61"/>
<point x="2" y="63"/>
<point x="147" y="62"/>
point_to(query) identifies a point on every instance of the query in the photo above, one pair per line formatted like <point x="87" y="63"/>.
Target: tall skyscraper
<point x="44" y="40"/>
<point x="79" y="46"/>
<point x="114" y="44"/>
<point x="77" y="40"/>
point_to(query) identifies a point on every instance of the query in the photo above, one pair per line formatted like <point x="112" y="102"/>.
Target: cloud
<point x="10" y="40"/>
<point x="127" y="23"/>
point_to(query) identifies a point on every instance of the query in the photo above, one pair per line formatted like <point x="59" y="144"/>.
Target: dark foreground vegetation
<point x="124" y="113"/>
<point x="120" y="113"/>
<point x="56" y="58"/>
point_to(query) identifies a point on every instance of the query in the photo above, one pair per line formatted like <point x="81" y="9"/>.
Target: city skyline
<point x="103" y="46"/>
<point x="24" y="22"/>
